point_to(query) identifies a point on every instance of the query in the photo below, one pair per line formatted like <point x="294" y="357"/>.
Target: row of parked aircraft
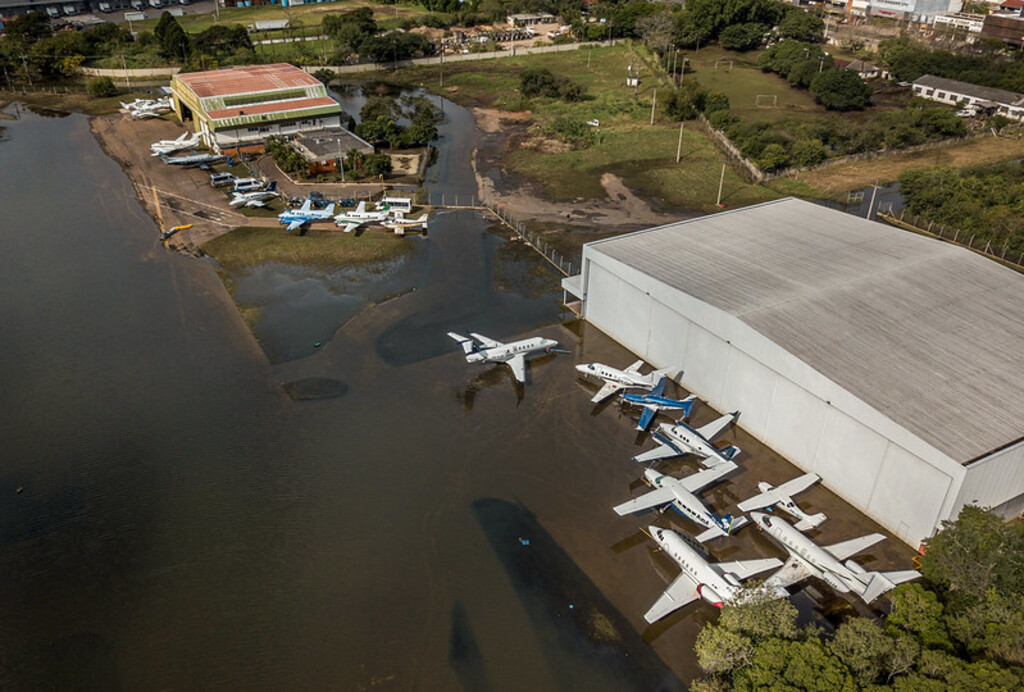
<point x="148" y="108"/>
<point x="350" y="220"/>
<point x="701" y="578"/>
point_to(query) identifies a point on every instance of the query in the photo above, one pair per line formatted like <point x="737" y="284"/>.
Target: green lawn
<point x="319" y="247"/>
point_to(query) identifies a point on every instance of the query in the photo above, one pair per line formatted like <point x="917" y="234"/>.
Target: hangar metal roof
<point x="928" y="333"/>
<point x="246" y="80"/>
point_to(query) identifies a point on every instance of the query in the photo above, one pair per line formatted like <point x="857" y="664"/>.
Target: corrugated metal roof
<point x="928" y="333"/>
<point x="246" y="80"/>
<point x="965" y="89"/>
<point x="274" y="107"/>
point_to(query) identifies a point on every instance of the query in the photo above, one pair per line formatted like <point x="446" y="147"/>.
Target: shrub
<point x="101" y="87"/>
<point x="542" y="82"/>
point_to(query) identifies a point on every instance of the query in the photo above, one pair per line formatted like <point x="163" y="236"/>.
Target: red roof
<point x="1011" y="5"/>
<point x="244" y="80"/>
<point x="263" y="108"/>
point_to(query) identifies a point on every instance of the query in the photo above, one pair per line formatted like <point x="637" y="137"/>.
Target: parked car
<point x="346" y="202"/>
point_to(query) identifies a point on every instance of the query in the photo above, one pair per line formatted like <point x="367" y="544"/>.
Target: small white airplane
<point x="782" y="497"/>
<point x="679" y="439"/>
<point x="400" y="224"/>
<point x="715" y="582"/>
<point x="654" y="401"/>
<point x="351" y="220"/>
<point x="296" y="218"/>
<point x="255" y="198"/>
<point x="616" y="380"/>
<point x="169" y="146"/>
<point x="680" y="493"/>
<point x="807" y="558"/>
<point x="480" y="349"/>
<point x="192" y="160"/>
<point x="148" y="108"/>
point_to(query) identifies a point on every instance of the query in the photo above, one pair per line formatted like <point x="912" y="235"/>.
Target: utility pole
<point x="874" y="191"/>
<point x="721" y="181"/>
<point x="679" y="146"/>
<point x="654" y="102"/>
<point x="124" y="66"/>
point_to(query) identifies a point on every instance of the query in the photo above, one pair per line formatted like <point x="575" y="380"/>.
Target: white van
<point x="402" y="204"/>
<point x="248" y="184"/>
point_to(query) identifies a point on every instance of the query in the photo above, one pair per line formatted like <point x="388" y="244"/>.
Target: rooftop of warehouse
<point x="929" y="333"/>
<point x="245" y="80"/>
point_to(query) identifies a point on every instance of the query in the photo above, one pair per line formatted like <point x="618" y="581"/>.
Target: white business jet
<point x="782" y="497"/>
<point x="679" y="439"/>
<point x="715" y="582"/>
<point x="680" y="493"/>
<point x="616" y="380"/>
<point x="807" y="559"/>
<point x="480" y="349"/>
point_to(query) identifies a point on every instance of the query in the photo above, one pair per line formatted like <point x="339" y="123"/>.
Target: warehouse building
<point x="889" y="363"/>
<point x="235" y="109"/>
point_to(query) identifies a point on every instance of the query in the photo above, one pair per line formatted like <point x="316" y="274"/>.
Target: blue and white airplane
<point x="680" y="493"/>
<point x="296" y="218"/>
<point x="679" y="439"/>
<point x="654" y="402"/>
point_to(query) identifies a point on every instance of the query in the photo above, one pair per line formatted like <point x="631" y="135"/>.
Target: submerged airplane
<point x="782" y="497"/>
<point x="715" y="582"/>
<point x="351" y="220"/>
<point x="653" y="402"/>
<point x="807" y="558"/>
<point x="191" y="160"/>
<point x="616" y="380"/>
<point x="680" y="492"/>
<point x="679" y="439"/>
<point x="169" y="146"/>
<point x="296" y="218"/>
<point x="480" y="349"/>
<point x="255" y="198"/>
<point x="400" y="224"/>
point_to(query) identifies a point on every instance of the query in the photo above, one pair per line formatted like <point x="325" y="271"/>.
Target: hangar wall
<point x="990" y="482"/>
<point x="860" y="454"/>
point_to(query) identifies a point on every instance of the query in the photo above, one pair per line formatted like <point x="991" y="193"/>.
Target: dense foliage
<point x="379" y="122"/>
<point x="962" y="629"/>
<point x="542" y="82"/>
<point x="101" y="87"/>
<point x="907" y="61"/>
<point x="988" y="203"/>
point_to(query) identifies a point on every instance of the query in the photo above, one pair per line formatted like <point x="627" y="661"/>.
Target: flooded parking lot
<point x="185" y="520"/>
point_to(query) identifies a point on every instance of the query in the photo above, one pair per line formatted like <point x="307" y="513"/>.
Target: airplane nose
<point x="581" y="368"/>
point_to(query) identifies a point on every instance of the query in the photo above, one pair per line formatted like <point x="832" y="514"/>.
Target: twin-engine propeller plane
<point x="655" y="401"/>
<point x="481" y="349"/>
<point x="679" y="439"/>
<point x="297" y="218"/>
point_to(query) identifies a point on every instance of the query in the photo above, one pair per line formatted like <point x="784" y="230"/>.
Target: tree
<point x="220" y="40"/>
<point x="742" y="37"/>
<point x="380" y="106"/>
<point x="324" y="76"/>
<point x="174" y="42"/>
<point x="656" y="31"/>
<point x="380" y="131"/>
<point x="715" y="101"/>
<point x="803" y="26"/>
<point x="773" y="157"/>
<point x="840" y="90"/>
<point x="808" y="152"/>
<point x="863" y="646"/>
<point x="974" y="553"/>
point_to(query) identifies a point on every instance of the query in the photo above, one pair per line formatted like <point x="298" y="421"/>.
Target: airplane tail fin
<point x="883" y="582"/>
<point x="272" y="187"/>
<point x="657" y="375"/>
<point x="730" y="452"/>
<point x="810" y="522"/>
<point x="468" y="345"/>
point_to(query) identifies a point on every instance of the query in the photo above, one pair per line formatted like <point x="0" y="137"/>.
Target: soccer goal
<point x="726" y="65"/>
<point x="766" y="100"/>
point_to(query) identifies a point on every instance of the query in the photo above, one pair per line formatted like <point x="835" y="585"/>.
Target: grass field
<point x="251" y="246"/>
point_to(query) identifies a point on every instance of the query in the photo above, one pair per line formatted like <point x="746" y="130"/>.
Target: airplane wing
<point x="349" y="227"/>
<point x="679" y="593"/>
<point x="787" y="489"/>
<point x="606" y="391"/>
<point x="255" y="203"/>
<point x="659" y="389"/>
<point x="662" y="451"/>
<point x="297" y="223"/>
<point x="361" y="208"/>
<point x="635" y="367"/>
<point x="658" y="496"/>
<point x="646" y="417"/>
<point x="843" y="550"/>
<point x="712" y="429"/>
<point x="306" y="207"/>
<point x="793" y="571"/>
<point x="747" y="568"/>
<point x="702" y="479"/>
<point x="518" y="365"/>
<point x="488" y="343"/>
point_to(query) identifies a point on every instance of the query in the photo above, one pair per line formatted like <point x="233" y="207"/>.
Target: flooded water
<point x="177" y="513"/>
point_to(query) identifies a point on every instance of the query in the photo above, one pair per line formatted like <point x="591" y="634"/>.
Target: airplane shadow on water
<point x="582" y="633"/>
<point x="498" y="375"/>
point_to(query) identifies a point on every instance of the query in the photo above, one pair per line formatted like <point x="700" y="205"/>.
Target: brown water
<point x="171" y="519"/>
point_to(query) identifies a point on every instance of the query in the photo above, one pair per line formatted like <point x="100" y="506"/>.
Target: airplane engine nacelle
<point x="474" y="357"/>
<point x="834" y="581"/>
<point x="709" y="595"/>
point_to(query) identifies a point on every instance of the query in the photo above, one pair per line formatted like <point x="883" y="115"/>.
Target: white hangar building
<point x="890" y="364"/>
